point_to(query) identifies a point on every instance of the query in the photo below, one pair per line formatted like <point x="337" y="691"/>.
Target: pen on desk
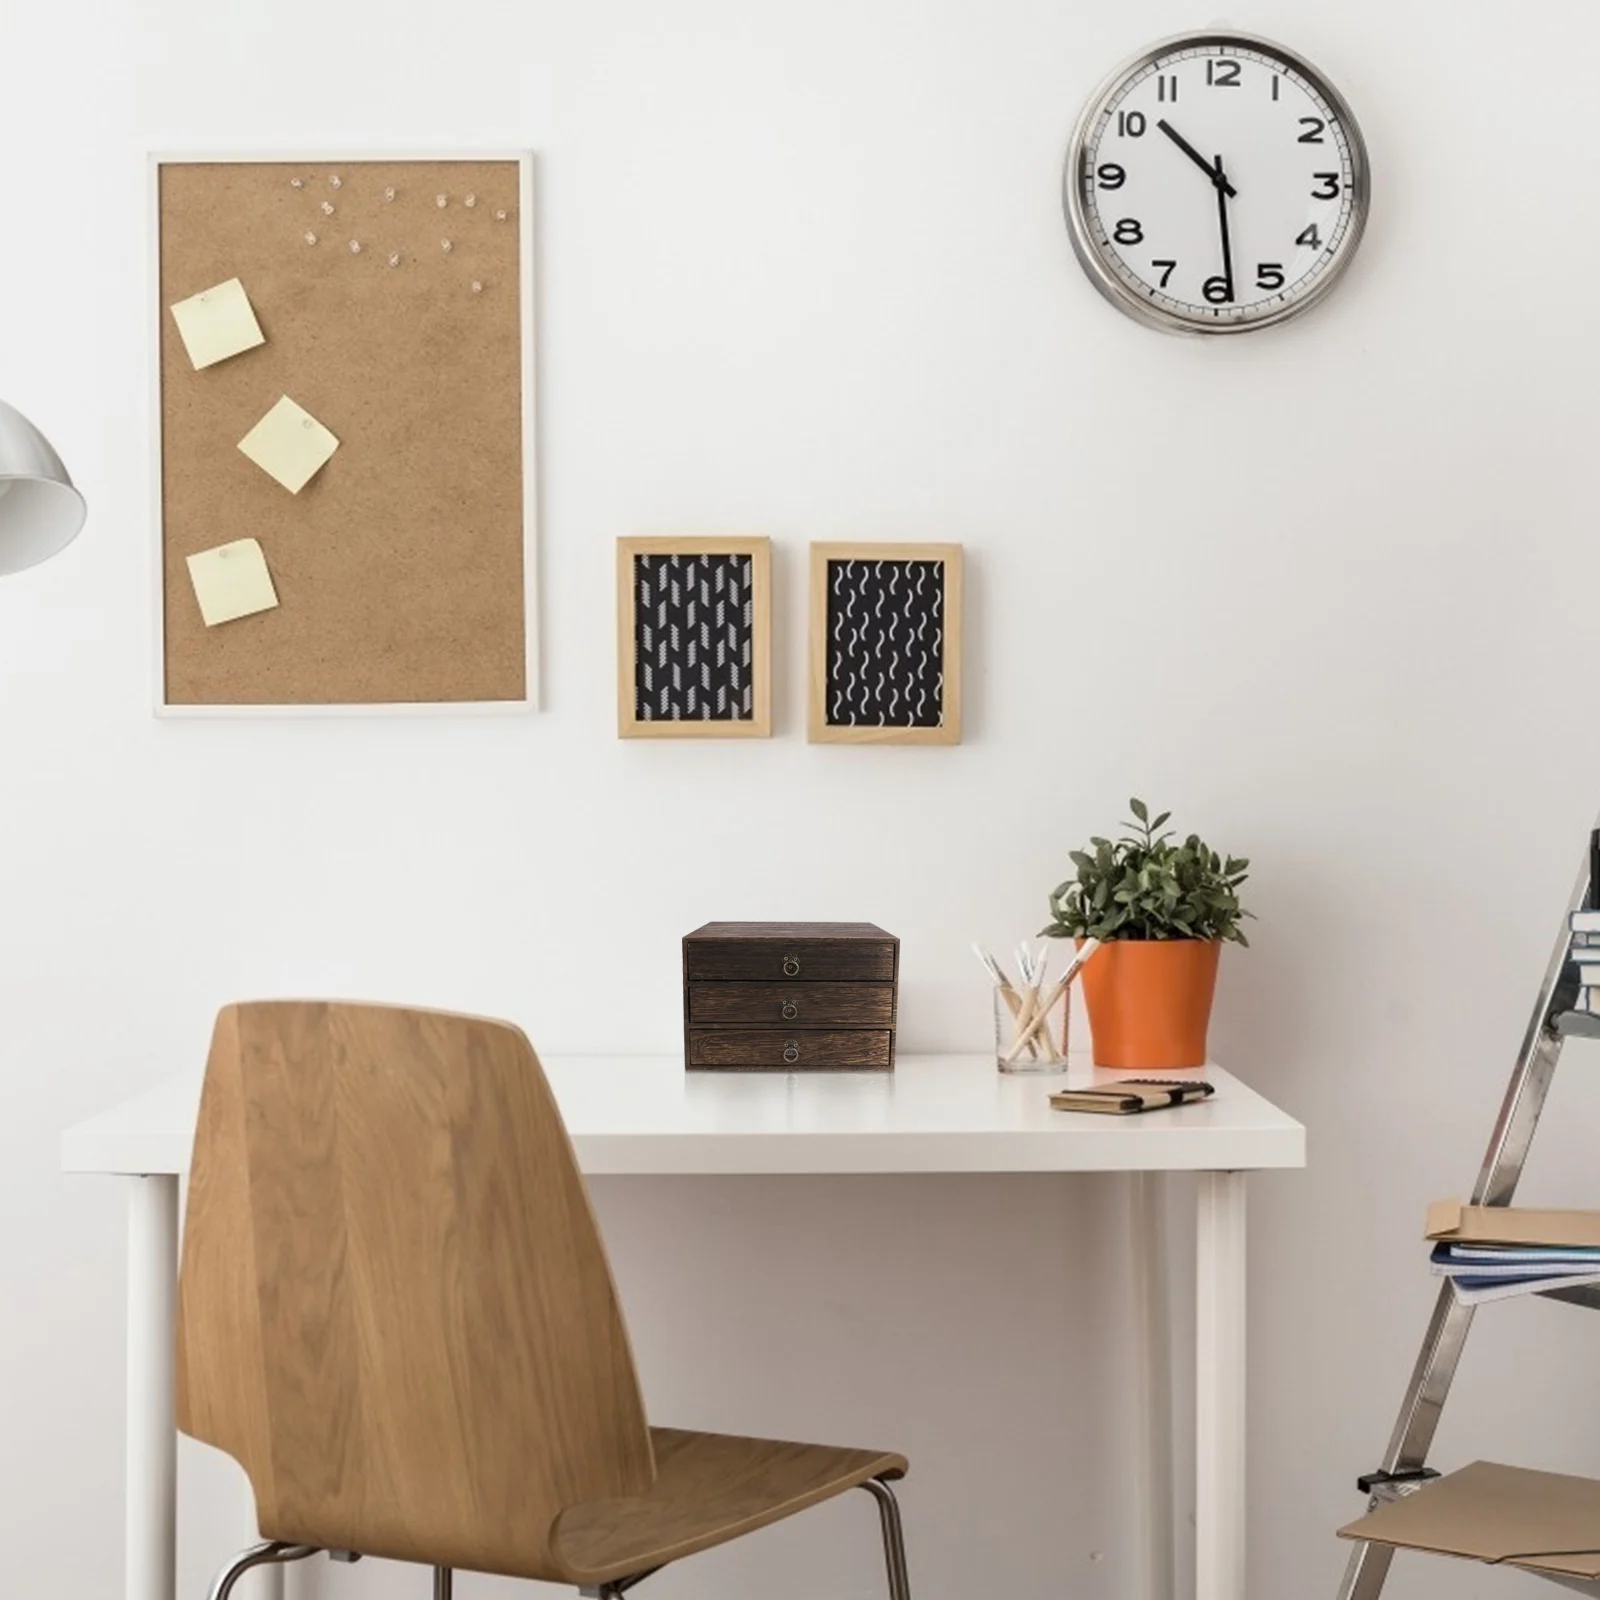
<point x="1074" y="967"/>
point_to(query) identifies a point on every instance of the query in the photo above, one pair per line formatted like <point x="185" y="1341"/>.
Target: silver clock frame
<point x="1100" y="273"/>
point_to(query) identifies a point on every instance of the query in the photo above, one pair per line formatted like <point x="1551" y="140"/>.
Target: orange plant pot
<point x="1149" y="1002"/>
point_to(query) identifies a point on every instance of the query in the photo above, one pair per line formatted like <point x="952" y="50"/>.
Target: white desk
<point x="645" y="1115"/>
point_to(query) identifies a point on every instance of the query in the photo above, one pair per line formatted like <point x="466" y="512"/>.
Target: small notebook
<point x="1132" y="1095"/>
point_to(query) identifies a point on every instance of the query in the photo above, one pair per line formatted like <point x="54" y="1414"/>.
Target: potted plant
<point x="1162" y="912"/>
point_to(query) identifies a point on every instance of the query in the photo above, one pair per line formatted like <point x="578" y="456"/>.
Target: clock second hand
<point x="1224" y="189"/>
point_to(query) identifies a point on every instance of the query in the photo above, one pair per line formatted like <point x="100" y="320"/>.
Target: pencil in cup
<point x="1030" y="1036"/>
<point x="1006" y="992"/>
<point x="1058" y="993"/>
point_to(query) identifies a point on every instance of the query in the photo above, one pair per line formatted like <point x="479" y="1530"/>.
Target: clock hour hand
<point x="1214" y="174"/>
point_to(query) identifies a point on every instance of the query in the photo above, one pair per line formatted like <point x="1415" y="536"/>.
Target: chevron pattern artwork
<point x="693" y="638"/>
<point x="885" y="644"/>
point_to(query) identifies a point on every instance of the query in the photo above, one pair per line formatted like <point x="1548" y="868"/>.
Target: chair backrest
<point x="395" y="1311"/>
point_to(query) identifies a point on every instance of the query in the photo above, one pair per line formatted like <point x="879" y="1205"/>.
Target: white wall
<point x="802" y="272"/>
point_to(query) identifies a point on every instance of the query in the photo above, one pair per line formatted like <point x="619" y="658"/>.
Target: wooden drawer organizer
<point x="790" y="996"/>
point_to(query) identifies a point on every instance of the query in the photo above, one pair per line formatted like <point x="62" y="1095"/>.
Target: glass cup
<point x="1023" y="1042"/>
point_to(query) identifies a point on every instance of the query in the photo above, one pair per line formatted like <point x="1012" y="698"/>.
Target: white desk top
<point x="645" y="1114"/>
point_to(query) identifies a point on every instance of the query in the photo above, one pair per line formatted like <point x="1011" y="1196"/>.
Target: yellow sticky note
<point x="289" y="444"/>
<point x="231" y="581"/>
<point x="217" y="323"/>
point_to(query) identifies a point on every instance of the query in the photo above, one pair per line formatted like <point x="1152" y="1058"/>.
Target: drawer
<point x="850" y="1005"/>
<point x="769" y="1048"/>
<point x="791" y="960"/>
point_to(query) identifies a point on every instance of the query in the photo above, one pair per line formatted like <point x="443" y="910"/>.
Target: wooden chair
<point x="396" y="1313"/>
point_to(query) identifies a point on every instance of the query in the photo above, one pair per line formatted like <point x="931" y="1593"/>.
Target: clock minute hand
<point x="1223" y="191"/>
<point x="1214" y="174"/>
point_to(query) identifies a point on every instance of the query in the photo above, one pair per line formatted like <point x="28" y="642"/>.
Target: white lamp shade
<point x="40" y="510"/>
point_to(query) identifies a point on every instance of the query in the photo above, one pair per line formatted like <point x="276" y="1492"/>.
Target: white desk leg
<point x="1220" y="1388"/>
<point x="151" y="1492"/>
<point x="1154" y="1319"/>
<point x="151" y="1489"/>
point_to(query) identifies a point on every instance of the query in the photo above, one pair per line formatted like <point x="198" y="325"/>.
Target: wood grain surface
<point x="855" y="1005"/>
<point x="797" y="1049"/>
<point x="713" y="959"/>
<point x="783" y="932"/>
<point x="399" y="567"/>
<point x="712" y="1487"/>
<point x="394" y="1310"/>
<point x="396" y="1313"/>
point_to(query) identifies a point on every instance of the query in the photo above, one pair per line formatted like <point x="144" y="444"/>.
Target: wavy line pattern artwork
<point x="693" y="638"/>
<point x="885" y="644"/>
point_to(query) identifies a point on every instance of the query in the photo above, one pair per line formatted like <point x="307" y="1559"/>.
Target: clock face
<point x="1216" y="184"/>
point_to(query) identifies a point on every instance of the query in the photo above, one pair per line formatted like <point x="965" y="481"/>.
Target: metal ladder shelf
<point x="1554" y="1021"/>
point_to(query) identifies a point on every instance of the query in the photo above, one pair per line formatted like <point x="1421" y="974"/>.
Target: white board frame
<point x="530" y="437"/>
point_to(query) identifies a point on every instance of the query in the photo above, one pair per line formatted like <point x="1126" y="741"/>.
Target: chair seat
<point x="709" y="1488"/>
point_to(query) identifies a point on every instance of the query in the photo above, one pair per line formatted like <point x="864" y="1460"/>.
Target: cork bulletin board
<point x="393" y="306"/>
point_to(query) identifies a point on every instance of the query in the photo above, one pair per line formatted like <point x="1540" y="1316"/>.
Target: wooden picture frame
<point x="386" y="631"/>
<point x="730" y="654"/>
<point x="896" y="709"/>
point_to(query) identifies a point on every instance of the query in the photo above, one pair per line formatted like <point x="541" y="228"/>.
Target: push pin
<point x="500" y="215"/>
<point x="335" y="181"/>
<point x="446" y="246"/>
<point x="477" y="286"/>
<point x="441" y="200"/>
<point x="297" y="183"/>
<point x="311" y="238"/>
<point x="327" y="208"/>
<point x="388" y="194"/>
<point x="470" y="200"/>
<point x="394" y="258"/>
<point x="355" y="247"/>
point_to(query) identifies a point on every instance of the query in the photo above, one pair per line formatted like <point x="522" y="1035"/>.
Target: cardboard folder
<point x="1456" y="1223"/>
<point x="1542" y="1521"/>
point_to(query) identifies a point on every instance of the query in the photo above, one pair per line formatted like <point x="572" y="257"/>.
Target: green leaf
<point x="1145" y="886"/>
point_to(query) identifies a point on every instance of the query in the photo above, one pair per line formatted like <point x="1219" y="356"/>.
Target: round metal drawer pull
<point x="791" y="966"/>
<point x="791" y="1051"/>
<point x="790" y="1010"/>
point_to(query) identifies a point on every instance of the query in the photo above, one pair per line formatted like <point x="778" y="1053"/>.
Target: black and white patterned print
<point x="885" y="644"/>
<point x="693" y="633"/>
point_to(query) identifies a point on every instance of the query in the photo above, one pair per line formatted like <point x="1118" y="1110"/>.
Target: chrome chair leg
<point x="617" y="1587"/>
<point x="894" y="1543"/>
<point x="444" y="1583"/>
<point x="260" y="1555"/>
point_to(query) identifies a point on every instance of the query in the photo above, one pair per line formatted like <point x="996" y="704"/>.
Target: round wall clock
<point x="1216" y="183"/>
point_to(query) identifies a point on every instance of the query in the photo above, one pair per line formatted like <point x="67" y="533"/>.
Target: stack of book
<point x="1495" y="1252"/>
